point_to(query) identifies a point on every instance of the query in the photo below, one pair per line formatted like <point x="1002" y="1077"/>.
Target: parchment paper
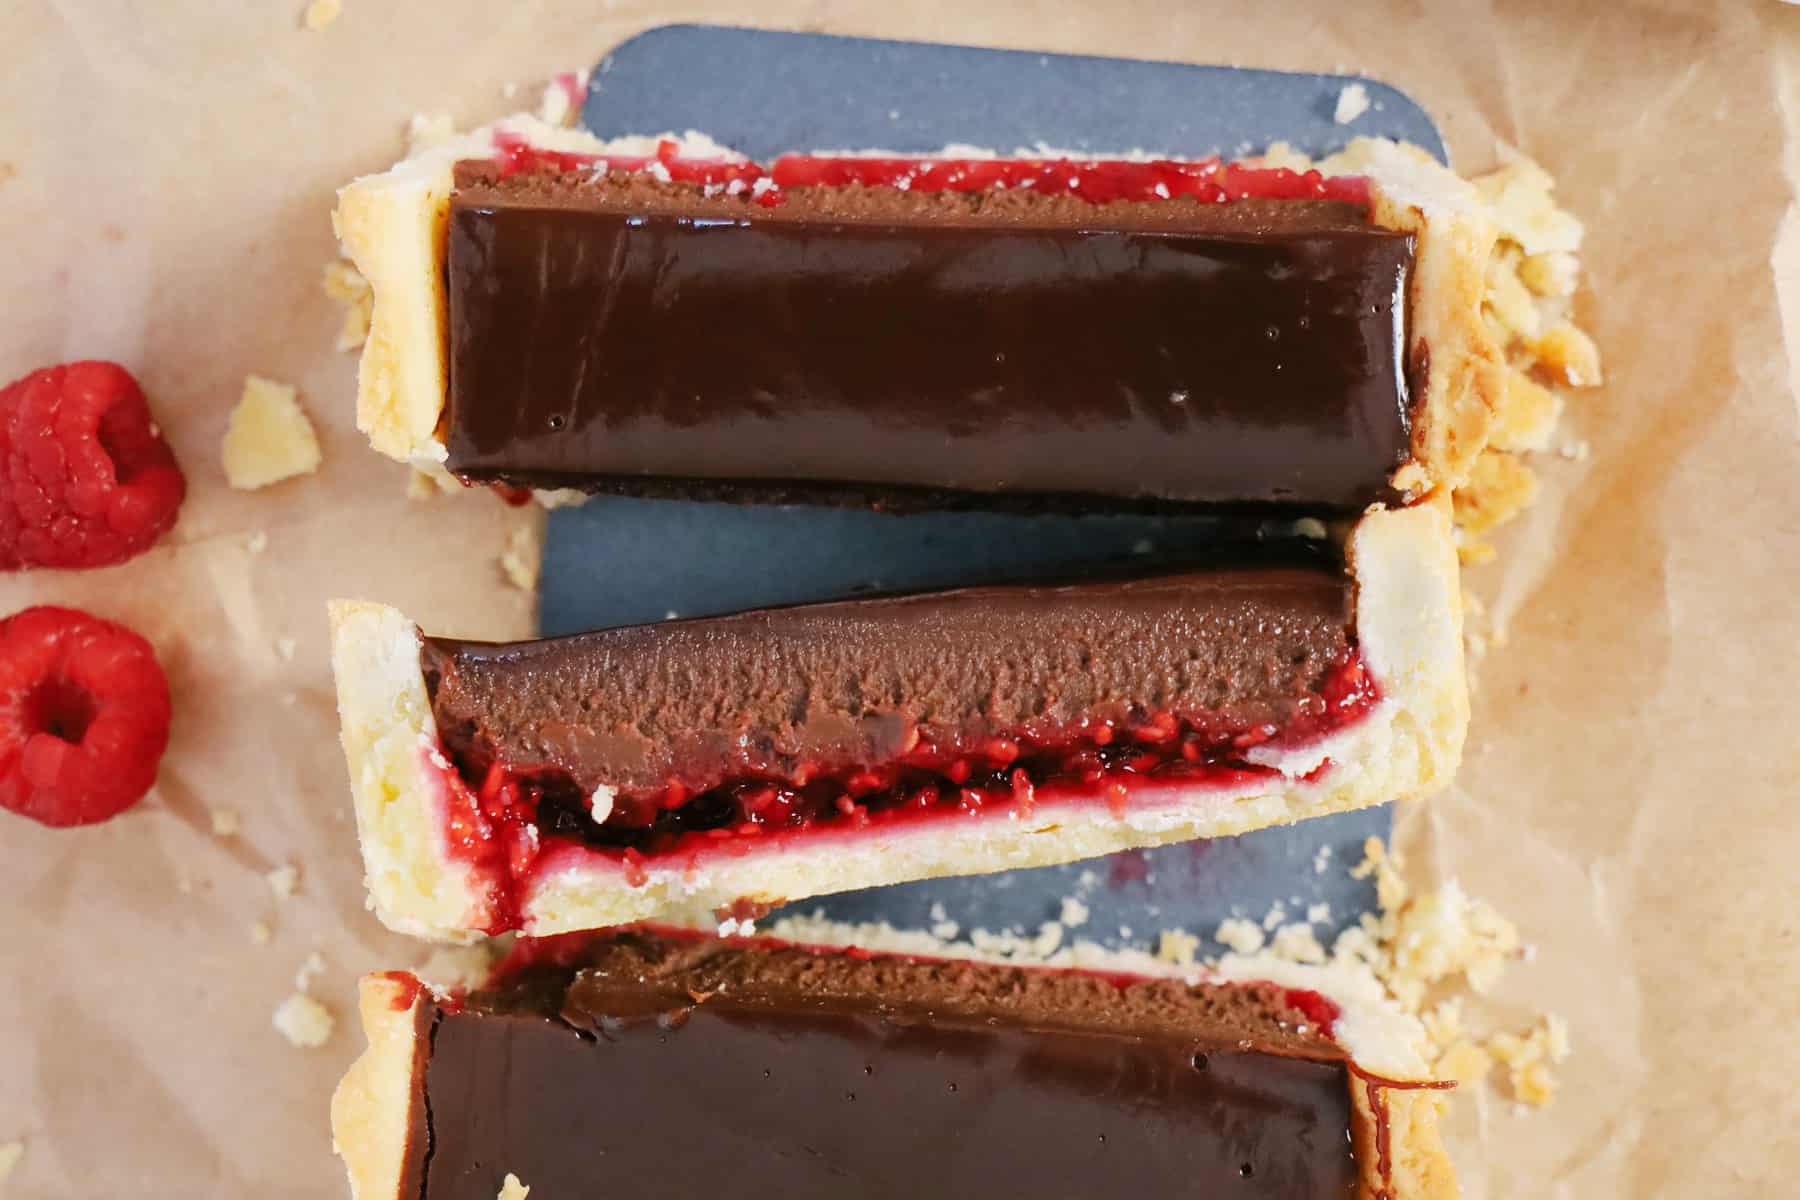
<point x="1636" y="750"/>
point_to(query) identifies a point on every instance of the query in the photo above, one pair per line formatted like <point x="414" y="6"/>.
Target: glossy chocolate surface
<point x="888" y="351"/>
<point x="828" y="1076"/>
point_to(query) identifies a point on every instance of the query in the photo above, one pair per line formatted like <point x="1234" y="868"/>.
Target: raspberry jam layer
<point x="1098" y="181"/>
<point x="506" y="822"/>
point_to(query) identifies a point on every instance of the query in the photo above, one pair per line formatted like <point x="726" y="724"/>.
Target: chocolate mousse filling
<point x="620" y="332"/>
<point x="681" y="1066"/>
<point x="879" y="709"/>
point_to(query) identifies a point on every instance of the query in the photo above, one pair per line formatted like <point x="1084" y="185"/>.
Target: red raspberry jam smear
<point x="1318" y="1008"/>
<point x="503" y="822"/>
<point x="1098" y="181"/>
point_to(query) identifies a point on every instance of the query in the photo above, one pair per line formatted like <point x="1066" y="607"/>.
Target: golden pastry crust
<point x="1409" y="630"/>
<point x="371" y="1110"/>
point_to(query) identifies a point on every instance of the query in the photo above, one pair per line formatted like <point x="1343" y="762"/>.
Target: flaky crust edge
<point x="1409" y="625"/>
<point x="371" y="1110"/>
<point x="1465" y="375"/>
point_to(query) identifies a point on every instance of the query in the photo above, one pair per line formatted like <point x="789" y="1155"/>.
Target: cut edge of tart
<point x="393" y="226"/>
<point x="1408" y="634"/>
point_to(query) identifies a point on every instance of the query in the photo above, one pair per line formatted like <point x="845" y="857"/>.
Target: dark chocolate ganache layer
<point x="700" y="1068"/>
<point x="788" y="694"/>
<point x="616" y="332"/>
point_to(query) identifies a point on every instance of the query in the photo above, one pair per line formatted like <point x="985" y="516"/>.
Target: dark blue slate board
<point x="615" y="561"/>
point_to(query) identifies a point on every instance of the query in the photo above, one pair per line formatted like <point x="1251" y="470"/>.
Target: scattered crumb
<point x="1352" y="103"/>
<point x="512" y="1189"/>
<point x="1318" y="914"/>
<point x="946" y="930"/>
<point x="225" y="822"/>
<point x="600" y="804"/>
<point x="1244" y="937"/>
<point x="1297" y="943"/>
<point x="283" y="880"/>
<point x="1074" y="912"/>
<point x="184" y="885"/>
<point x="554" y="498"/>
<point x="10" y="1154"/>
<point x="345" y="284"/>
<point x="285" y="647"/>
<point x="321" y="13"/>
<point x="1321" y="860"/>
<point x="311" y="969"/>
<point x="1529" y="1057"/>
<point x="1175" y="946"/>
<point x="269" y="438"/>
<point x="1569" y="355"/>
<point x="1275" y="918"/>
<point x="520" y="559"/>
<point x="257" y="542"/>
<point x="260" y="933"/>
<point x="426" y="130"/>
<point x="303" y="1021"/>
<point x="733" y="927"/>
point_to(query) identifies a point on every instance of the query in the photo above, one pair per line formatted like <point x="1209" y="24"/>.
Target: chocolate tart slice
<point x="655" y="1063"/>
<point x="634" y="773"/>
<point x="553" y="311"/>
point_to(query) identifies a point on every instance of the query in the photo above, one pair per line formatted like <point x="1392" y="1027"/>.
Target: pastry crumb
<point x="1074" y="913"/>
<point x="346" y="285"/>
<point x="1352" y="103"/>
<point x="311" y="969"/>
<point x="283" y="880"/>
<point x="320" y="14"/>
<point x="1297" y="943"/>
<point x="512" y="1189"/>
<point x="1177" y="947"/>
<point x="1242" y="936"/>
<point x="260" y="933"/>
<point x="269" y="438"/>
<point x="1528" y="1058"/>
<point x="285" y="647"/>
<point x="520" y="559"/>
<point x="303" y="1021"/>
<point x="225" y="822"/>
<point x="426" y="130"/>
<point x="945" y="930"/>
<point x="257" y="542"/>
<point x="10" y="1154"/>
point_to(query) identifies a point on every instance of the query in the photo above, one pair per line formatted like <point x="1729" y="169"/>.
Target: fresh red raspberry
<point x="84" y="716"/>
<point x="86" y="480"/>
